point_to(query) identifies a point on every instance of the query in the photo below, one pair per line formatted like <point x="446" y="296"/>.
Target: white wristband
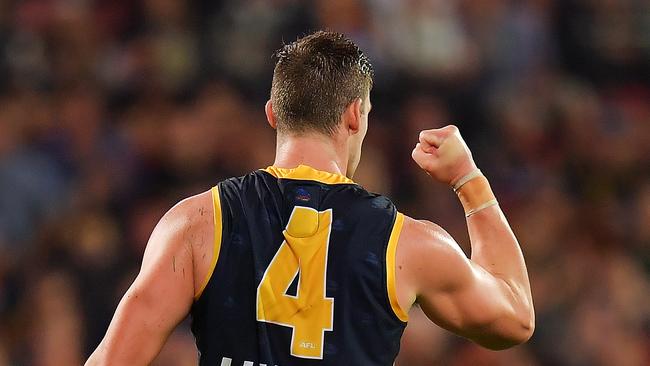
<point x="471" y="175"/>
<point x="487" y="204"/>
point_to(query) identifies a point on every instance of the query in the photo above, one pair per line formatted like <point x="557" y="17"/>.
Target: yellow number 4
<point x="303" y="253"/>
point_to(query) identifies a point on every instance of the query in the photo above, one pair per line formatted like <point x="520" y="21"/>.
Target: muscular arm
<point x="486" y="298"/>
<point x="162" y="294"/>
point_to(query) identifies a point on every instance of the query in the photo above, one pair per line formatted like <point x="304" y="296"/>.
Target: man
<point x="297" y="265"/>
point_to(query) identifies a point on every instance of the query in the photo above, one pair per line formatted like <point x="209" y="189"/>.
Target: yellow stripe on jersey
<point x="390" y="268"/>
<point x="304" y="172"/>
<point x="218" y="232"/>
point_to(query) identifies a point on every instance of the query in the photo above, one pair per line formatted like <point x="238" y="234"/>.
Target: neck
<point x="315" y="150"/>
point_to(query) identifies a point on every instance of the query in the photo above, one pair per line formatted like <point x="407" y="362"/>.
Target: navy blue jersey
<point x="303" y="273"/>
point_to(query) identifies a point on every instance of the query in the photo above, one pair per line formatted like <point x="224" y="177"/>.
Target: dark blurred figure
<point x="112" y="110"/>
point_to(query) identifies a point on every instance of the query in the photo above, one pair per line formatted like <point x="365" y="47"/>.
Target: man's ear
<point x="270" y="117"/>
<point x="352" y="116"/>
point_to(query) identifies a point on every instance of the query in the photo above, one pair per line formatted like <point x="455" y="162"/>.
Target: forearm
<point x="494" y="245"/>
<point x="495" y="248"/>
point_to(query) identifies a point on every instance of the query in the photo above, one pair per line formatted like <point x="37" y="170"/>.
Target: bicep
<point x="454" y="292"/>
<point x="159" y="298"/>
<point x="479" y="308"/>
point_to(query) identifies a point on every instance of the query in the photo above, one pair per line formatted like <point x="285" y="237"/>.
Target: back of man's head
<point x="315" y="79"/>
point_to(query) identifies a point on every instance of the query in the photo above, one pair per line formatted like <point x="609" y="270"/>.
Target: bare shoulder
<point x="426" y="237"/>
<point x="190" y="211"/>
<point x="186" y="232"/>
<point x="430" y="256"/>
<point x="187" y="220"/>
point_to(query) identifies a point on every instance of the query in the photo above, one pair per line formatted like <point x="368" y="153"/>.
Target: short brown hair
<point x="315" y="79"/>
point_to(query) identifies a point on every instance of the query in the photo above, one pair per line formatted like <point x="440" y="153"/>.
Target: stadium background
<point x="113" y="110"/>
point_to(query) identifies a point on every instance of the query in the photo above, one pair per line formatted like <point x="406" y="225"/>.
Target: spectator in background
<point x="112" y="110"/>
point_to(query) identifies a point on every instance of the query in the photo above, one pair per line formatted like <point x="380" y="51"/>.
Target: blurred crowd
<point x="113" y="110"/>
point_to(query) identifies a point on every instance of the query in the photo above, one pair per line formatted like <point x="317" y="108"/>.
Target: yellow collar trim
<point x="304" y="172"/>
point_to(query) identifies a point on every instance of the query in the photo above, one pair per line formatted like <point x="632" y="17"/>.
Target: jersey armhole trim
<point x="218" y="232"/>
<point x="390" y="268"/>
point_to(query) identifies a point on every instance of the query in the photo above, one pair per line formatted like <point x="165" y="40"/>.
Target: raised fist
<point x="443" y="154"/>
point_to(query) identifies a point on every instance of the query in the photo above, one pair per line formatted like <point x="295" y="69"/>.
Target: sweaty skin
<point x="485" y="298"/>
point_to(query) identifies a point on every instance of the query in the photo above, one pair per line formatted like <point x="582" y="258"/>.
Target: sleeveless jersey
<point x="303" y="273"/>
